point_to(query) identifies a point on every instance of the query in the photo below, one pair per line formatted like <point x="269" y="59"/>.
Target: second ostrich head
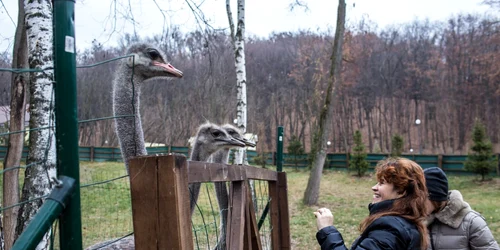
<point x="209" y="139"/>
<point x="222" y="156"/>
<point x="236" y="134"/>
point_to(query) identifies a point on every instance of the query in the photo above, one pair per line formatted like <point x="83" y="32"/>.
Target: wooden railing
<point x="160" y="202"/>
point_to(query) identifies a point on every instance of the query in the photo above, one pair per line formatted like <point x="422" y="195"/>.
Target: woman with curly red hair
<point x="397" y="212"/>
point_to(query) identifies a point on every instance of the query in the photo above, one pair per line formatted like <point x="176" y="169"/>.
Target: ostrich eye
<point x="216" y="133"/>
<point x="154" y="54"/>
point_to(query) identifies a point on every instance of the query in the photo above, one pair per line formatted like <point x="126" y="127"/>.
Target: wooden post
<point x="284" y="217"/>
<point x="237" y="202"/>
<point x="92" y="153"/>
<point x="252" y="237"/>
<point x="144" y="195"/>
<point x="160" y="202"/>
<point x="274" y="215"/>
<point x="498" y="168"/>
<point x="348" y="159"/>
<point x="440" y="161"/>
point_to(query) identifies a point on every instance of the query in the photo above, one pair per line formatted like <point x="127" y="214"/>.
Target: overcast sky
<point x="94" y="18"/>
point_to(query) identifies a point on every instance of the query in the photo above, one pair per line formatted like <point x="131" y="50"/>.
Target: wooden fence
<point x="449" y="163"/>
<point x="160" y="202"/>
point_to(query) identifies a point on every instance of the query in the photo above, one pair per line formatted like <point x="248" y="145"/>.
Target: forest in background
<point x="447" y="74"/>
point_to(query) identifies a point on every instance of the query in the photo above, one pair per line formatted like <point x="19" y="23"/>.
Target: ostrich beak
<point x="233" y="142"/>
<point x="169" y="68"/>
<point x="247" y="142"/>
<point x="250" y="144"/>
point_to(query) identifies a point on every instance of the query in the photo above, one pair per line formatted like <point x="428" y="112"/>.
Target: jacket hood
<point x="454" y="212"/>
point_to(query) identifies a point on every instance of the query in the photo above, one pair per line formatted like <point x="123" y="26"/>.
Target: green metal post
<point x="46" y="215"/>
<point x="279" y="150"/>
<point x="279" y="168"/>
<point x="70" y="223"/>
<point x="38" y="226"/>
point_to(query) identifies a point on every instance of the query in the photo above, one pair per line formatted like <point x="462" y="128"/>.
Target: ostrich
<point x="209" y="139"/>
<point x="222" y="156"/>
<point x="146" y="63"/>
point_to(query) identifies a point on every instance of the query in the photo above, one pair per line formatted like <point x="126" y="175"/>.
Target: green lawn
<point x="106" y="209"/>
<point x="348" y="198"/>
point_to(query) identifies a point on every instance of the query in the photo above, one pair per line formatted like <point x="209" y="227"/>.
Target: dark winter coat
<point x="387" y="232"/>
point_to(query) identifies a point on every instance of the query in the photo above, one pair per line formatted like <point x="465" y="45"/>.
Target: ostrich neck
<point x="126" y="102"/>
<point x="221" y="156"/>
<point x="200" y="152"/>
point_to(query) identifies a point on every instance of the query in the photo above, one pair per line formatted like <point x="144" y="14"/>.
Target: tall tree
<point x="16" y="123"/>
<point x="238" y="39"/>
<point x="42" y="156"/>
<point x="311" y="194"/>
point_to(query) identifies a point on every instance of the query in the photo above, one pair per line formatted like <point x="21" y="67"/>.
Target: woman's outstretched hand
<point x="324" y="218"/>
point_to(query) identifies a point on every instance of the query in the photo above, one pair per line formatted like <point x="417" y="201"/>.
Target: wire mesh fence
<point x="206" y="219"/>
<point x="105" y="199"/>
<point x="105" y="193"/>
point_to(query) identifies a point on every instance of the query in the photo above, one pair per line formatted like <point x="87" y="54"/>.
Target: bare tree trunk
<point x="241" y="77"/>
<point x="312" y="191"/>
<point x="370" y="125"/>
<point x="16" y="123"/>
<point x="42" y="157"/>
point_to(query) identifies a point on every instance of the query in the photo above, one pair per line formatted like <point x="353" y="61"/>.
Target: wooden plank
<point x="498" y="168"/>
<point x="251" y="223"/>
<point x="260" y="173"/>
<point x="274" y="215"/>
<point x="214" y="172"/>
<point x="284" y="215"/>
<point x="174" y="218"/>
<point x="247" y="239"/>
<point x="91" y="153"/>
<point x="144" y="190"/>
<point x="237" y="210"/>
<point x="229" y="216"/>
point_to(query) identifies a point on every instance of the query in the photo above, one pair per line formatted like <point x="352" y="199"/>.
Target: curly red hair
<point x="408" y="179"/>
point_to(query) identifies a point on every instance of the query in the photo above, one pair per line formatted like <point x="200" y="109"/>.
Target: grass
<point x="106" y="209"/>
<point x="348" y="198"/>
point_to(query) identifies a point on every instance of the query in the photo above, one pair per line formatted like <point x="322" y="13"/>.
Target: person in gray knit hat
<point x="452" y="223"/>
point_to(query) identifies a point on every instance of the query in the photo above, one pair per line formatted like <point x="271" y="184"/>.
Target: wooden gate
<point x="160" y="202"/>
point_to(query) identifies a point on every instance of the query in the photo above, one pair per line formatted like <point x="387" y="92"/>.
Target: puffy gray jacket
<point x="457" y="227"/>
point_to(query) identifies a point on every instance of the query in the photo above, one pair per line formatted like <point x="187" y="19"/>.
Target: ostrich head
<point x="148" y="62"/>
<point x="209" y="139"/>
<point x="236" y="134"/>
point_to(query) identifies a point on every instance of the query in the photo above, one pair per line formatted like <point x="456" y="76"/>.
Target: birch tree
<point x="16" y="123"/>
<point x="323" y="131"/>
<point x="41" y="158"/>
<point x="238" y="39"/>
